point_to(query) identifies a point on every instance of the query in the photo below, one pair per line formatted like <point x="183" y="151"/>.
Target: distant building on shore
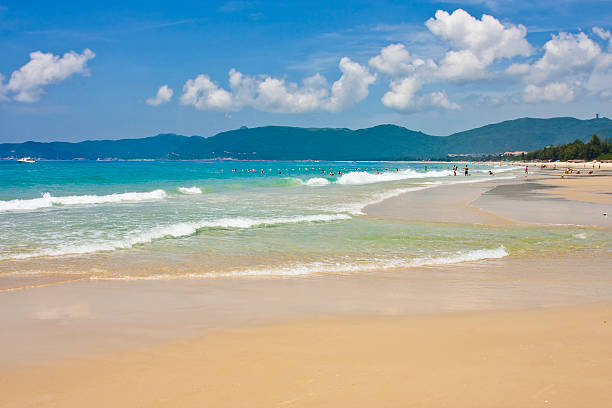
<point x="506" y="154"/>
<point x="460" y="155"/>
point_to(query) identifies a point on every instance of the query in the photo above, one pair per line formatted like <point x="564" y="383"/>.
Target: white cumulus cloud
<point x="470" y="52"/>
<point x="601" y="33"/>
<point x="564" y="53"/>
<point x="395" y="60"/>
<point x="461" y="66"/>
<point x="164" y="94"/>
<point x="28" y="82"/>
<point x="567" y="66"/>
<point x="3" y="89"/>
<point x="352" y="86"/>
<point x="403" y="96"/>
<point x="278" y="95"/>
<point x="440" y="99"/>
<point x="204" y="94"/>
<point x="600" y="79"/>
<point x="472" y="46"/>
<point x="475" y="44"/>
<point x="553" y="92"/>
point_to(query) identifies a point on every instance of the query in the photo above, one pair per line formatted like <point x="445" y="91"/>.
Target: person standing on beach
<point x="466" y="170"/>
<point x="526" y="171"/>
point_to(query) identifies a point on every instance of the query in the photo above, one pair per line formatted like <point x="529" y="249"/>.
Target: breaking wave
<point x="174" y="231"/>
<point x="47" y="200"/>
<point x="372" y="265"/>
<point x="316" y="181"/>
<point x="364" y="177"/>
<point x="190" y="190"/>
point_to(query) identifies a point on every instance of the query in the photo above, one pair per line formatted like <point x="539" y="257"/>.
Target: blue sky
<point x="73" y="70"/>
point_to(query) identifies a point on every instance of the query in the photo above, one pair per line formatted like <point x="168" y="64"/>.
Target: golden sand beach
<point x="546" y="357"/>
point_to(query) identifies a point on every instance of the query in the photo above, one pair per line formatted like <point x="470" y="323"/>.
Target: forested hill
<point x="384" y="142"/>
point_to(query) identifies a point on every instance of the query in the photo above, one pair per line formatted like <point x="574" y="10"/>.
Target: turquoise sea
<point x="169" y="220"/>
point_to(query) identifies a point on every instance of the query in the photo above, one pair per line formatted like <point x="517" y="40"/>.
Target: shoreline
<point x="518" y="202"/>
<point x="86" y="318"/>
<point x="581" y="201"/>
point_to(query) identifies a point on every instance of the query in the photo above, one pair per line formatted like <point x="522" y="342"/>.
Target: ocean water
<point x="201" y="219"/>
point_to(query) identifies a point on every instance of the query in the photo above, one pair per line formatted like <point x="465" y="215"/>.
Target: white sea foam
<point x="312" y="182"/>
<point x="316" y="181"/>
<point x="190" y="190"/>
<point x="174" y="231"/>
<point x="375" y="264"/>
<point x="364" y="177"/>
<point x="331" y="267"/>
<point x="47" y="200"/>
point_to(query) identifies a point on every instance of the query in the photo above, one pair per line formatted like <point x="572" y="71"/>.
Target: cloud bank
<point x="481" y="50"/>
<point x="278" y="95"/>
<point x="473" y="53"/>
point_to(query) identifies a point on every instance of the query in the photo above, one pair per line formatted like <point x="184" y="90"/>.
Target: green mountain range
<point x="384" y="142"/>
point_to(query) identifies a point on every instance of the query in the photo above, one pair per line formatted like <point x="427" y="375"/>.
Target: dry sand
<point x="549" y="357"/>
<point x="582" y="188"/>
<point x="592" y="165"/>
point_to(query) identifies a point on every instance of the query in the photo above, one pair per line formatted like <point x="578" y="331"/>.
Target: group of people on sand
<point x="569" y="170"/>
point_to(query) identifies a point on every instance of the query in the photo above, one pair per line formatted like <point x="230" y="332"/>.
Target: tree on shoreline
<point x="594" y="149"/>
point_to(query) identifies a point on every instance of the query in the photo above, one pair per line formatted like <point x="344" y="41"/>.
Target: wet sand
<point x="446" y="203"/>
<point x="74" y="320"/>
<point x="517" y="331"/>
<point x="541" y="198"/>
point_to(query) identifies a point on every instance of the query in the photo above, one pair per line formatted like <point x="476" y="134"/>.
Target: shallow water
<point x="169" y="220"/>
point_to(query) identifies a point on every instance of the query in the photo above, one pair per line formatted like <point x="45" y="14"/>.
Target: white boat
<point x="26" y="160"/>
